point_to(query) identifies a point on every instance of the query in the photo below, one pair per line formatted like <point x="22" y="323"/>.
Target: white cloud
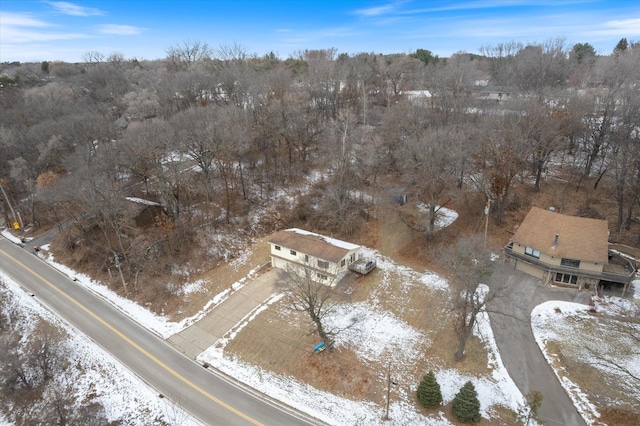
<point x="24" y="28"/>
<point x="624" y="26"/>
<point x="375" y="11"/>
<point x="16" y="35"/>
<point x="120" y="29"/>
<point x="67" y="8"/>
<point x="20" y="20"/>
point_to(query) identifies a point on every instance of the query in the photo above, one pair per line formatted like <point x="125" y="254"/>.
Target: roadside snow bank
<point x="95" y="373"/>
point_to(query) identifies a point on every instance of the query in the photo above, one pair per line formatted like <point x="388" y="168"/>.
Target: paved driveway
<point x="194" y="339"/>
<point x="519" y="351"/>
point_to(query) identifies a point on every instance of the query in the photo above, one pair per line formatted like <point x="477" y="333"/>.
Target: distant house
<point x="419" y="97"/>
<point x="496" y="94"/>
<point x="327" y="258"/>
<point x="143" y="212"/>
<point x="567" y="250"/>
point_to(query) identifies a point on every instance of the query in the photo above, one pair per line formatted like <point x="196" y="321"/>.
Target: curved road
<point x="519" y="351"/>
<point x="208" y="396"/>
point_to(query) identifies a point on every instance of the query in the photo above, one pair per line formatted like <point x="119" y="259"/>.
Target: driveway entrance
<point x="193" y="340"/>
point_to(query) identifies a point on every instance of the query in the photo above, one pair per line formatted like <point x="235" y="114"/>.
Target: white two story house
<point x="327" y="258"/>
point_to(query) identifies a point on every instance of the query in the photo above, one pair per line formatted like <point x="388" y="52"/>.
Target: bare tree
<point x="427" y="169"/>
<point x="499" y="159"/>
<point x="182" y="56"/>
<point x="545" y="128"/>
<point x="531" y="411"/>
<point x="117" y="59"/>
<point x="232" y="52"/>
<point x="469" y="263"/>
<point x="92" y="57"/>
<point x="310" y="290"/>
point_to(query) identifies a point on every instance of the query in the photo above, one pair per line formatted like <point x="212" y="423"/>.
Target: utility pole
<point x="487" y="209"/>
<point x="13" y="212"/>
<point x="386" y="414"/>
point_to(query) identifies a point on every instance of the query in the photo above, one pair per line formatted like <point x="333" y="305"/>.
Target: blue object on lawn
<point x="319" y="347"/>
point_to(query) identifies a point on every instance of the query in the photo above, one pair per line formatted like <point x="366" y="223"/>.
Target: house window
<point x="292" y="252"/>
<point x="323" y="264"/>
<point x="572" y="263"/>
<point x="566" y="278"/>
<point x="321" y="277"/>
<point x="532" y="252"/>
<point x="306" y="258"/>
<point x="278" y="248"/>
<point x="342" y="262"/>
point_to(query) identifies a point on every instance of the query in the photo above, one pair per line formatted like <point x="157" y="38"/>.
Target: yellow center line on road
<point x="134" y="344"/>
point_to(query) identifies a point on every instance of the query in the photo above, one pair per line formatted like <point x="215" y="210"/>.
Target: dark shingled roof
<point x="578" y="237"/>
<point x="312" y="244"/>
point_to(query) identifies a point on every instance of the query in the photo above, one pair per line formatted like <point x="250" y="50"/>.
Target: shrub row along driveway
<point x="519" y="351"/>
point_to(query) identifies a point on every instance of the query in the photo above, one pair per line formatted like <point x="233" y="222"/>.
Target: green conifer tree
<point x="429" y="393"/>
<point x="466" y="407"/>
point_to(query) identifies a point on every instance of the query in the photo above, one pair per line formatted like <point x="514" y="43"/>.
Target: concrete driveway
<point x="194" y="339"/>
<point x="519" y="351"/>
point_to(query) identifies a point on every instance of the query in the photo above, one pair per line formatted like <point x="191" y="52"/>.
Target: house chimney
<point x="555" y="242"/>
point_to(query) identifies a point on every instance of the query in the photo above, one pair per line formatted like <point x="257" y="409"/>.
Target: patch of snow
<point x="143" y="201"/>
<point x="549" y="323"/>
<point x="241" y="260"/>
<point x="387" y="265"/>
<point x="636" y="289"/>
<point x="371" y="333"/>
<point x="333" y="241"/>
<point x="194" y="287"/>
<point x="506" y="392"/>
<point x="444" y="216"/>
<point x="9" y="236"/>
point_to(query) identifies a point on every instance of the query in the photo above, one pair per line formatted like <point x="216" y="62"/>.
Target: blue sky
<point x="36" y="30"/>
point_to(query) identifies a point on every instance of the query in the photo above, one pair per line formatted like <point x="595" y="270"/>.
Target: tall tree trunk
<point x="462" y="342"/>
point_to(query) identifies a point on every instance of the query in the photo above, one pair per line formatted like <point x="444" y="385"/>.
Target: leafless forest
<point x="218" y="141"/>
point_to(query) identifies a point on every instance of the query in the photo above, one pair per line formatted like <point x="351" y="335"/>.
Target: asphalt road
<point x="207" y="395"/>
<point x="519" y="351"/>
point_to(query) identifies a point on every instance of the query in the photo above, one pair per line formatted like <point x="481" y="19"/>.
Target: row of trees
<point x="213" y="135"/>
<point x="465" y="406"/>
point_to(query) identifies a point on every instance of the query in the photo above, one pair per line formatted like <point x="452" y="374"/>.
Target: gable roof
<point x="579" y="238"/>
<point x="313" y="244"/>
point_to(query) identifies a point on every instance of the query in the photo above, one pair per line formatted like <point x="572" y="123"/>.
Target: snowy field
<point x="556" y="321"/>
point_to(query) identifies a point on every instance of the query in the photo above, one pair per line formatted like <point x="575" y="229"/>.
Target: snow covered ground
<point x="375" y="330"/>
<point x="556" y="321"/>
<point x="375" y="334"/>
<point x="96" y="374"/>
